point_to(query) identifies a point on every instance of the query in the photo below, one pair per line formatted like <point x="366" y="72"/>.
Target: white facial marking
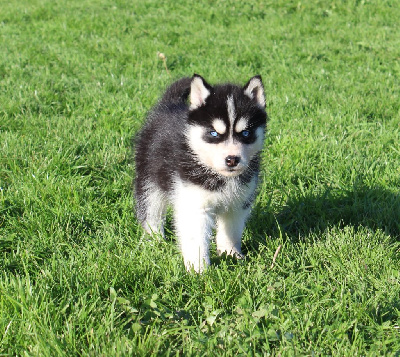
<point x="219" y="126"/>
<point x="213" y="155"/>
<point x="231" y="110"/>
<point x="241" y="125"/>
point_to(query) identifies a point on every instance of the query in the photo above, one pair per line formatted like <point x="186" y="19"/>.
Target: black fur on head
<point x="210" y="102"/>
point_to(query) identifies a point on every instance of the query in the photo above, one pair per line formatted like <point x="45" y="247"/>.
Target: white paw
<point x="234" y="252"/>
<point x="198" y="266"/>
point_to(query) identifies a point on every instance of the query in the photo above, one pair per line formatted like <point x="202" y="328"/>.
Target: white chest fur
<point x="198" y="210"/>
<point x="231" y="197"/>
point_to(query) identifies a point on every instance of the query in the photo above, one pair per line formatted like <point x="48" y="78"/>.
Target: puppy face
<point x="226" y="124"/>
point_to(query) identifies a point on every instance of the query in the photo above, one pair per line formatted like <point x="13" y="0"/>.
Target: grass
<point x="76" y="278"/>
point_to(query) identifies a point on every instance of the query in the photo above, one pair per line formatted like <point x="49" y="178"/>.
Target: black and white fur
<point x="199" y="152"/>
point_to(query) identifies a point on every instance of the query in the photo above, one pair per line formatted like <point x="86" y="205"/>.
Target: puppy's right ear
<point x="199" y="91"/>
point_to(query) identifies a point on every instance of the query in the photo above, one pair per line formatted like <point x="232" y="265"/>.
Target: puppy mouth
<point x="232" y="171"/>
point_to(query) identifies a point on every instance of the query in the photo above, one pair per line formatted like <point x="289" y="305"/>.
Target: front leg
<point x="230" y="226"/>
<point x="193" y="224"/>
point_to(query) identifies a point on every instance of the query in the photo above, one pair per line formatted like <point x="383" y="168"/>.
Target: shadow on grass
<point x="374" y="208"/>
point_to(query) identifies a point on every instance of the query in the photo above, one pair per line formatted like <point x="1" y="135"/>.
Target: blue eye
<point x="245" y="133"/>
<point x="214" y="134"/>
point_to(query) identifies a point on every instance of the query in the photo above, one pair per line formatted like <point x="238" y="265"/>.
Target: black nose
<point x="232" y="161"/>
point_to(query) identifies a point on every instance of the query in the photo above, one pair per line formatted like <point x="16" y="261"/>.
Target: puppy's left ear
<point x="199" y="91"/>
<point x="254" y="89"/>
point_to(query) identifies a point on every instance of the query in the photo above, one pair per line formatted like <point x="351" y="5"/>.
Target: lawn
<point x="322" y="273"/>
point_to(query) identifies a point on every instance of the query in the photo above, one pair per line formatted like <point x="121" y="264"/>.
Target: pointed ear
<point x="199" y="91"/>
<point x="254" y="89"/>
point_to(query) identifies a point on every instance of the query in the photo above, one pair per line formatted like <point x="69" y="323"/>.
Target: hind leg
<point x="151" y="206"/>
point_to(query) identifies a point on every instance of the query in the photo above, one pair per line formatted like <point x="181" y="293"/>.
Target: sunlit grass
<point x="76" y="275"/>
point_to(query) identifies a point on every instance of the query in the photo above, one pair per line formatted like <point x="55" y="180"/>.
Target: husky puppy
<point x="199" y="152"/>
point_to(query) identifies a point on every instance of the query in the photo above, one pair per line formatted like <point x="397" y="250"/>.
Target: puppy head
<point x="226" y="124"/>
